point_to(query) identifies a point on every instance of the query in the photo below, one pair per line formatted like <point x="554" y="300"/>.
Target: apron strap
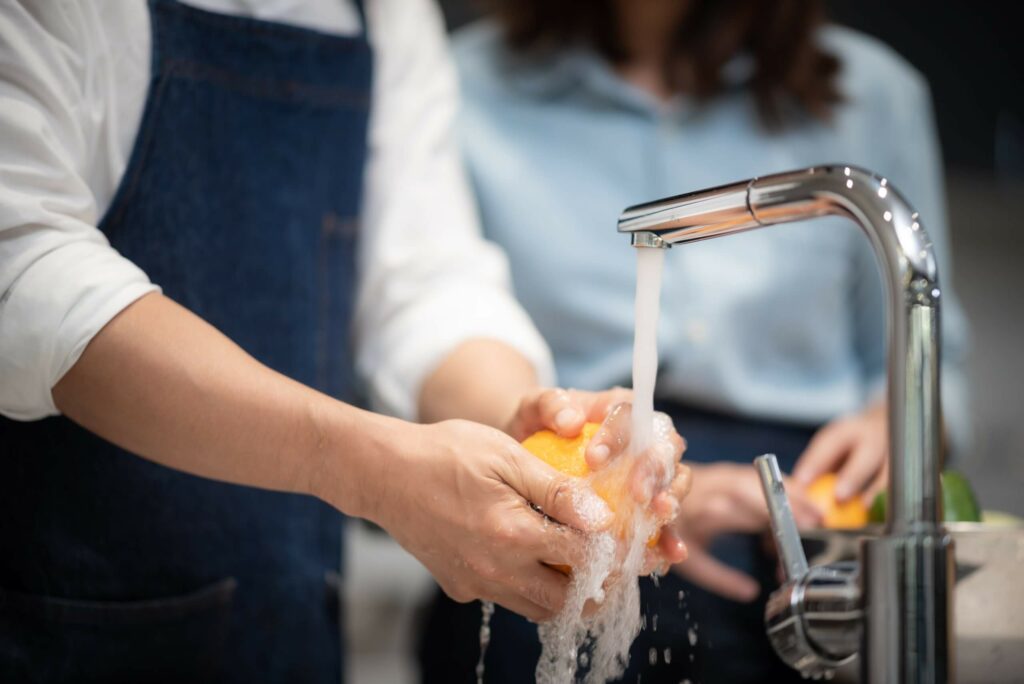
<point x="361" y="9"/>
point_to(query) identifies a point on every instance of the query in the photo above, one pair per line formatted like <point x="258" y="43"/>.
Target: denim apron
<point x="730" y="645"/>
<point x="241" y="200"/>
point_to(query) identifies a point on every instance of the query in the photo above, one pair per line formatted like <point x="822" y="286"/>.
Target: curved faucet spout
<point x="907" y="574"/>
<point x="908" y="263"/>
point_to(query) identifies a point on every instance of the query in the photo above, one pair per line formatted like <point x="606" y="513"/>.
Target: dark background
<point x="971" y="54"/>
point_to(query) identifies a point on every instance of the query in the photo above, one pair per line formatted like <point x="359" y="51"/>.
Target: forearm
<point x="162" y="383"/>
<point x="481" y="380"/>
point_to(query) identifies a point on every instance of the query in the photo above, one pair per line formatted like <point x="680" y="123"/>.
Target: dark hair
<point x="791" y="72"/>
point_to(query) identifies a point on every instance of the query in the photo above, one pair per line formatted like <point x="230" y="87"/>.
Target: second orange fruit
<point x="851" y="513"/>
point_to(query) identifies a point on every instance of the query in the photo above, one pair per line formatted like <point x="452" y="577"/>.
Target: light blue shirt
<point x="785" y="323"/>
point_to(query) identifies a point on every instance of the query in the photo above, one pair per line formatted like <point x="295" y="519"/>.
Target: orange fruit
<point x="562" y="453"/>
<point x="567" y="455"/>
<point x="852" y="513"/>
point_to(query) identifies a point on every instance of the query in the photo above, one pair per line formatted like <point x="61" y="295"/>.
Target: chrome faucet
<point x="894" y="608"/>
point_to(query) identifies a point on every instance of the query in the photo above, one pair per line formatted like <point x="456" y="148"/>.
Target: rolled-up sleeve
<point x="429" y="281"/>
<point x="60" y="281"/>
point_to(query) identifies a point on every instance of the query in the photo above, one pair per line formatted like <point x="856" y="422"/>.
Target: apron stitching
<point x="268" y="88"/>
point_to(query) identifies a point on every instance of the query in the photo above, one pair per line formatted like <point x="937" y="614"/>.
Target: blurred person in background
<point x="771" y="341"/>
<point x="213" y="219"/>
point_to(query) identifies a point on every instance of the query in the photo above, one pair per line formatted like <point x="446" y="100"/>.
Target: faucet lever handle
<point x="787" y="538"/>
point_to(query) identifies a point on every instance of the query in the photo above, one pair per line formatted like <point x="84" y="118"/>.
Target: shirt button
<point x="697" y="331"/>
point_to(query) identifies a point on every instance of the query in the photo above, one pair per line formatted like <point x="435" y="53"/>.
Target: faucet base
<point x="907" y="589"/>
<point x="814" y="622"/>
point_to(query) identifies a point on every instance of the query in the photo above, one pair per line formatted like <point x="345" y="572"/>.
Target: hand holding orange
<point x="567" y="455"/>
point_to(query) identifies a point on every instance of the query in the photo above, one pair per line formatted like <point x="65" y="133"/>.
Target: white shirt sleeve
<point x="60" y="281"/>
<point x="429" y="280"/>
<point x="72" y="85"/>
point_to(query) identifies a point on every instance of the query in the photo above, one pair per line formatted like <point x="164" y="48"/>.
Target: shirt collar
<point x="579" y="69"/>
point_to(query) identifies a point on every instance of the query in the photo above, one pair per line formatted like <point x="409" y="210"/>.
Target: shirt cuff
<point x="424" y="335"/>
<point x="50" y="315"/>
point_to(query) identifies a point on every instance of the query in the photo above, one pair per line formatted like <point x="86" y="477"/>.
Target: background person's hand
<point x="856" y="448"/>
<point x="457" y="496"/>
<point x="727" y="498"/>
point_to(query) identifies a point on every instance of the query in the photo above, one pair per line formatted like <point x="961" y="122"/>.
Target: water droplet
<point x="691" y="635"/>
<point x="654" y="622"/>
<point x="652" y="656"/>
<point x="486" y="611"/>
<point x="667" y="655"/>
<point x="887" y="215"/>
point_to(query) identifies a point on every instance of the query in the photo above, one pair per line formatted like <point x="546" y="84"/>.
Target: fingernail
<point x="843" y="491"/>
<point x="566" y="417"/>
<point x="600" y="453"/>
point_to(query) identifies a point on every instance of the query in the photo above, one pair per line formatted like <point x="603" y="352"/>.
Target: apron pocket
<point x="172" y="639"/>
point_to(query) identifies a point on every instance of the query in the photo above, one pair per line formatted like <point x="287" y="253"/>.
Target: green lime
<point x="958" y="501"/>
<point x="876" y="513"/>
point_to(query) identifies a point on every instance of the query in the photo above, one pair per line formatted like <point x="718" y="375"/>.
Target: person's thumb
<point x="705" y="571"/>
<point x="559" y="496"/>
